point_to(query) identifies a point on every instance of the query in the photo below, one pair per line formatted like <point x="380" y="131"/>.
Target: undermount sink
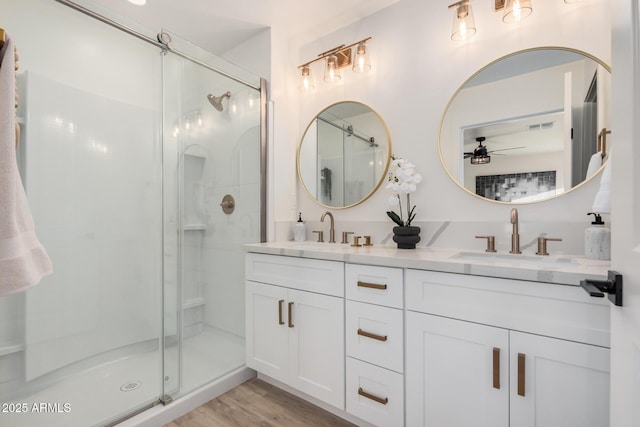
<point x="515" y="258"/>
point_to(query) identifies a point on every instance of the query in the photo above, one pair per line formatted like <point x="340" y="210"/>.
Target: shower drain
<point x="130" y="386"/>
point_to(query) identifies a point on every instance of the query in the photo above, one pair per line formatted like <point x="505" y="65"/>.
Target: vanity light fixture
<point x="362" y="62"/>
<point x="306" y="79"/>
<point x="335" y="59"/>
<point x="516" y="10"/>
<point x="464" y="25"/>
<point x="332" y="70"/>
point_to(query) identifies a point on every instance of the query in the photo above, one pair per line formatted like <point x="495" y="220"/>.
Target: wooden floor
<point x="257" y="403"/>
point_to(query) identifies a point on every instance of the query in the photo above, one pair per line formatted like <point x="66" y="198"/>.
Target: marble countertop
<point x="559" y="268"/>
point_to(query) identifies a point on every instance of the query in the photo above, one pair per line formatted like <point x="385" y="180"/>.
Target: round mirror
<point x="344" y="155"/>
<point x="528" y="127"/>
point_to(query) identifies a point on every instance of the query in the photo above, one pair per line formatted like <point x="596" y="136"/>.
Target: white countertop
<point x="559" y="268"/>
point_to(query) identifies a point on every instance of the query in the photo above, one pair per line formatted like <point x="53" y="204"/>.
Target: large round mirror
<point x="528" y="127"/>
<point x="344" y="155"/>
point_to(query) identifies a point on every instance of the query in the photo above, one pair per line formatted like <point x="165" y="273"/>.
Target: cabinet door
<point x="267" y="339"/>
<point x="557" y="383"/>
<point x="317" y="346"/>
<point x="456" y="373"/>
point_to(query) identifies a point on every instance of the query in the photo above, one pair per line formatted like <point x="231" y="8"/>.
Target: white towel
<point x="594" y="164"/>
<point x="602" y="201"/>
<point x="23" y="260"/>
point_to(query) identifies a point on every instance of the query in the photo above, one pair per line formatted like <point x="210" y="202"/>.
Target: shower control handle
<point x="228" y="204"/>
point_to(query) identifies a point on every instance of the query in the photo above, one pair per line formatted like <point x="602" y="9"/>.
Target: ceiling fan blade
<point x="467" y="155"/>
<point x="505" y="149"/>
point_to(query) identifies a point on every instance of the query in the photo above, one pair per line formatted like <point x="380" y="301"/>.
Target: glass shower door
<point x="212" y="207"/>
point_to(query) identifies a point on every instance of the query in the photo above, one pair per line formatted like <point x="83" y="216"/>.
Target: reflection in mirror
<point x="344" y="155"/>
<point x="525" y="128"/>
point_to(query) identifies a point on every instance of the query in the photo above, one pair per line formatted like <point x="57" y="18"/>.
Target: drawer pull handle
<point x="363" y="393"/>
<point x="371" y="285"/>
<point x="496" y="368"/>
<point x="280" y="321"/>
<point x="372" y="336"/>
<point x="290" y="315"/>
<point x="521" y="358"/>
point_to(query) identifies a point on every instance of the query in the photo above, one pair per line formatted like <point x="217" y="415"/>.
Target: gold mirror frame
<point x="385" y="168"/>
<point x="474" y="75"/>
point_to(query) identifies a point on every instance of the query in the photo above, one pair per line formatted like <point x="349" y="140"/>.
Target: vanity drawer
<point x="374" y="334"/>
<point x="374" y="394"/>
<point x="313" y="275"/>
<point x="374" y="284"/>
<point x="558" y="311"/>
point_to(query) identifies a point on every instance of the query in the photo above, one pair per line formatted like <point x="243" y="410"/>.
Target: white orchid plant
<point x="403" y="179"/>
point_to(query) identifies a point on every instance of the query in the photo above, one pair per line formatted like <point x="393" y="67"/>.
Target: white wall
<point x="416" y="69"/>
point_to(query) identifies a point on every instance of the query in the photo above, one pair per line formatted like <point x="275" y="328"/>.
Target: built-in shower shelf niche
<point x="194" y="227"/>
<point x="10" y="348"/>
<point x="194" y="302"/>
<point x="197" y="154"/>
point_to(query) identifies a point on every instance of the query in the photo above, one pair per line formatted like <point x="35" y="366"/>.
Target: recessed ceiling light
<point x="138" y="2"/>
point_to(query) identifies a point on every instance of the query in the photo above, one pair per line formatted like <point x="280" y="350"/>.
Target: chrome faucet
<point x="515" y="237"/>
<point x="332" y="231"/>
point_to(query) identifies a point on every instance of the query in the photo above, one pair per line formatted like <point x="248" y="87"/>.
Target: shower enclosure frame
<point x="165" y="46"/>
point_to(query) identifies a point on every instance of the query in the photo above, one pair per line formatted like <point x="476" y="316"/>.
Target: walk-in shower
<point x="125" y="167"/>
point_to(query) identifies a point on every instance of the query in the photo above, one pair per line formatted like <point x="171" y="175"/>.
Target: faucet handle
<point x="542" y="244"/>
<point x="367" y="241"/>
<point x="320" y="235"/>
<point x="345" y="236"/>
<point x="356" y="241"/>
<point x="491" y="243"/>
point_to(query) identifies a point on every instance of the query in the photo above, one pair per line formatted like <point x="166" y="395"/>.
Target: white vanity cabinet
<point x="374" y="335"/>
<point x="497" y="352"/>
<point x="295" y="323"/>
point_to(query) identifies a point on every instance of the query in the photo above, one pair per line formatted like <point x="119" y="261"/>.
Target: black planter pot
<point x="406" y="237"/>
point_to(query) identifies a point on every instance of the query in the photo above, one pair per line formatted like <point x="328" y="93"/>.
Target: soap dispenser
<point x="597" y="240"/>
<point x="300" y="230"/>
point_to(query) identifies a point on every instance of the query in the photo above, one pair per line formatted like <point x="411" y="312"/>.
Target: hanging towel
<point x="594" y="164"/>
<point x="602" y="201"/>
<point x="23" y="260"/>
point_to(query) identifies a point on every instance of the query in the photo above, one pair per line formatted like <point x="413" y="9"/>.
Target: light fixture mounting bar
<point x="498" y="5"/>
<point x="342" y="52"/>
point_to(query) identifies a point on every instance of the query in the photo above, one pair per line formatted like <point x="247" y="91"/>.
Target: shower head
<point x="216" y="101"/>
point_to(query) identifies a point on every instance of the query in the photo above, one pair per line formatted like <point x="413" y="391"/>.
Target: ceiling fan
<point x="480" y="155"/>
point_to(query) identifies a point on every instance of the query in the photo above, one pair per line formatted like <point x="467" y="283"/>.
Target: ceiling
<point x="218" y="25"/>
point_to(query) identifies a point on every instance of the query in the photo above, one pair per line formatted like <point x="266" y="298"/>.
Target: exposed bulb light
<point x="361" y="63"/>
<point x="516" y="10"/>
<point x="306" y="79"/>
<point x="332" y="71"/>
<point x="464" y="25"/>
